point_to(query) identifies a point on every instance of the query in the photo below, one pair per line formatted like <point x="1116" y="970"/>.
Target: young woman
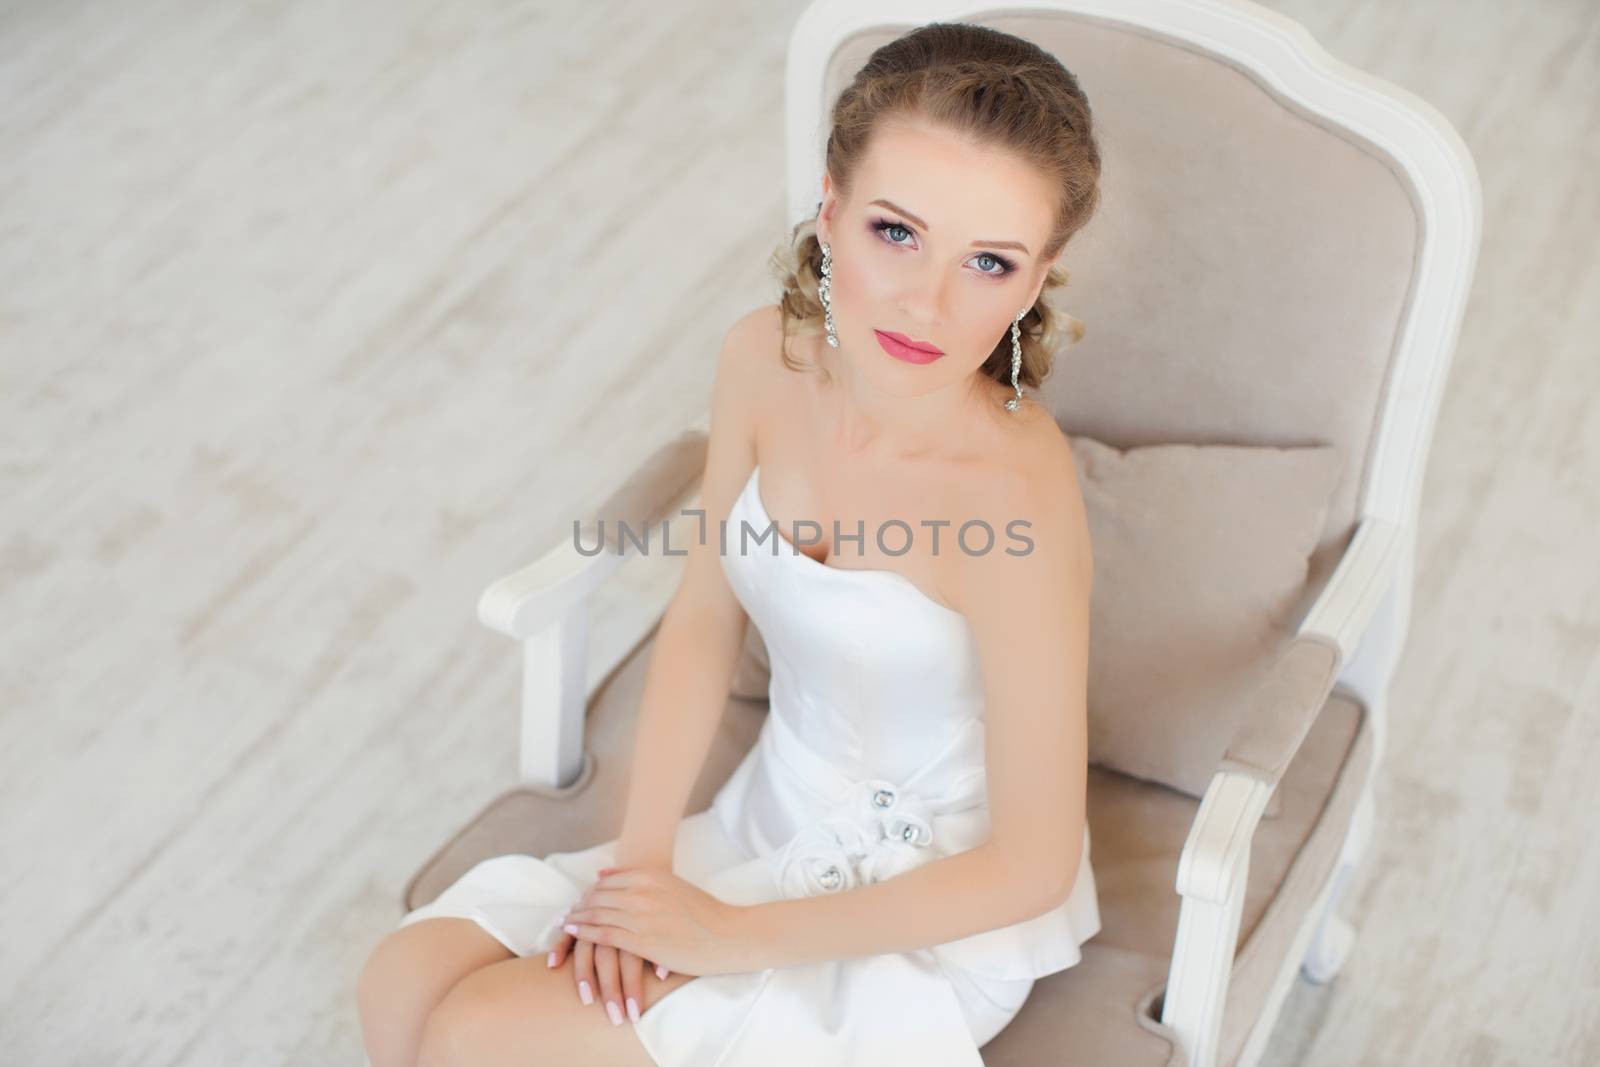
<point x="904" y="851"/>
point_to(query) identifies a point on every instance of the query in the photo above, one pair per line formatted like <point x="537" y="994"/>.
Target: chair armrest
<point x="1279" y="715"/>
<point x="1283" y="707"/>
<point x="1345" y="607"/>
<point x="1281" y="711"/>
<point x="548" y="589"/>
<point x="1214" y="868"/>
<point x="545" y="606"/>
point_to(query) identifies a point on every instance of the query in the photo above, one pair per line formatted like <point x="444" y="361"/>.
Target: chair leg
<point x="1329" y="949"/>
<point x="1330" y="945"/>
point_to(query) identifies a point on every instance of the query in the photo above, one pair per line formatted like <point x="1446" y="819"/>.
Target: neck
<point x="867" y="422"/>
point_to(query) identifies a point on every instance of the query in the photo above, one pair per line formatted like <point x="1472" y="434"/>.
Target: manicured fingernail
<point x="633" y="1009"/>
<point x="661" y="972"/>
<point x="550" y="960"/>
<point x="583" y="991"/>
<point x="615" y="1012"/>
<point x="571" y="928"/>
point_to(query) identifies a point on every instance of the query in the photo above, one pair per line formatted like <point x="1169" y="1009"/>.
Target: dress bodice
<point x="871" y="759"/>
<point x="867" y="669"/>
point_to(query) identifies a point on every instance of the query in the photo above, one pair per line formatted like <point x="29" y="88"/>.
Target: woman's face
<point x="938" y="244"/>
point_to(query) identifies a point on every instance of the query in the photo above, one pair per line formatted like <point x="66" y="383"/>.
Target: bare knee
<point x="387" y="975"/>
<point x="408" y="974"/>
<point x="466" y="1025"/>
<point x="393" y="997"/>
<point x="520" y="1013"/>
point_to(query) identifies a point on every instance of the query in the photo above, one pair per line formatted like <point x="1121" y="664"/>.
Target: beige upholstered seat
<point x="1281" y="259"/>
<point x="1138" y="830"/>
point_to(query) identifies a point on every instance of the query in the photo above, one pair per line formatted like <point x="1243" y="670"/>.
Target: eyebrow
<point x="1018" y="245"/>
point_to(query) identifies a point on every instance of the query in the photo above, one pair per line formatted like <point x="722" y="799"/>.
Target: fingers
<point x="558" y="955"/>
<point x="608" y="970"/>
<point x="583" y="969"/>
<point x="605" y="892"/>
<point x="631" y="968"/>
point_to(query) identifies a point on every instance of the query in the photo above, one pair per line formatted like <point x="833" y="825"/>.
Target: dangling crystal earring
<point x="825" y="291"/>
<point x="1016" y="358"/>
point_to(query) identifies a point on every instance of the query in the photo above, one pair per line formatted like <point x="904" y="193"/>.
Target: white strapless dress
<point x="870" y="763"/>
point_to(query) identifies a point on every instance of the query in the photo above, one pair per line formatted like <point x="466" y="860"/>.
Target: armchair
<point x="1283" y="255"/>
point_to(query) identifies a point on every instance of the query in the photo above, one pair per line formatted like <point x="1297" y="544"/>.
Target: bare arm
<point x="1030" y="616"/>
<point x="686" y="690"/>
<point x="948" y="899"/>
<point x="702" y="632"/>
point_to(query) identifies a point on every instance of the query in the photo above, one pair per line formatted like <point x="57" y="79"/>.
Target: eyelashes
<point x="881" y="225"/>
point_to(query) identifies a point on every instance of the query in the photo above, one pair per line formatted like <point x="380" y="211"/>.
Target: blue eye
<point x="1004" y="267"/>
<point x="883" y="227"/>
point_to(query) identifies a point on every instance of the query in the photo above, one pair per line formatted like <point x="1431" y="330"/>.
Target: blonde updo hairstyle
<point x="1001" y="91"/>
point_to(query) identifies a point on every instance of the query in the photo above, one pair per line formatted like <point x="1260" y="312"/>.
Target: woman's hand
<point x="653" y="914"/>
<point x="616" y="973"/>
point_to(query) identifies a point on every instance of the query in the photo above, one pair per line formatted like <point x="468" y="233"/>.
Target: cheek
<point x="980" y="343"/>
<point x="858" y="281"/>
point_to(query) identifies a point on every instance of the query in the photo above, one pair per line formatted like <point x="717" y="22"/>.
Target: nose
<point x="925" y="304"/>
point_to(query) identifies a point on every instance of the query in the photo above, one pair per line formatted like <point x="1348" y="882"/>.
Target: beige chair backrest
<point x="1258" y="273"/>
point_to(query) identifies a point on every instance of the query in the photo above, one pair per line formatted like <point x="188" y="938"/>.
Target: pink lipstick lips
<point x="904" y="348"/>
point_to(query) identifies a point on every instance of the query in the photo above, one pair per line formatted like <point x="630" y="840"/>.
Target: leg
<point x="523" y="1013"/>
<point x="406" y="977"/>
<point x="1330" y="944"/>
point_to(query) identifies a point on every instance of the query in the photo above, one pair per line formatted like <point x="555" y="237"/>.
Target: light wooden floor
<point x="302" y="303"/>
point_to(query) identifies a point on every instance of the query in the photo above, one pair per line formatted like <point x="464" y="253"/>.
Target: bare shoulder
<point x="761" y="331"/>
<point x="737" y="401"/>
<point x="751" y="343"/>
<point x="758" y="327"/>
<point x="748" y="378"/>
<point x="752" y="354"/>
<point x="740" y="382"/>
<point x="1033" y="503"/>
